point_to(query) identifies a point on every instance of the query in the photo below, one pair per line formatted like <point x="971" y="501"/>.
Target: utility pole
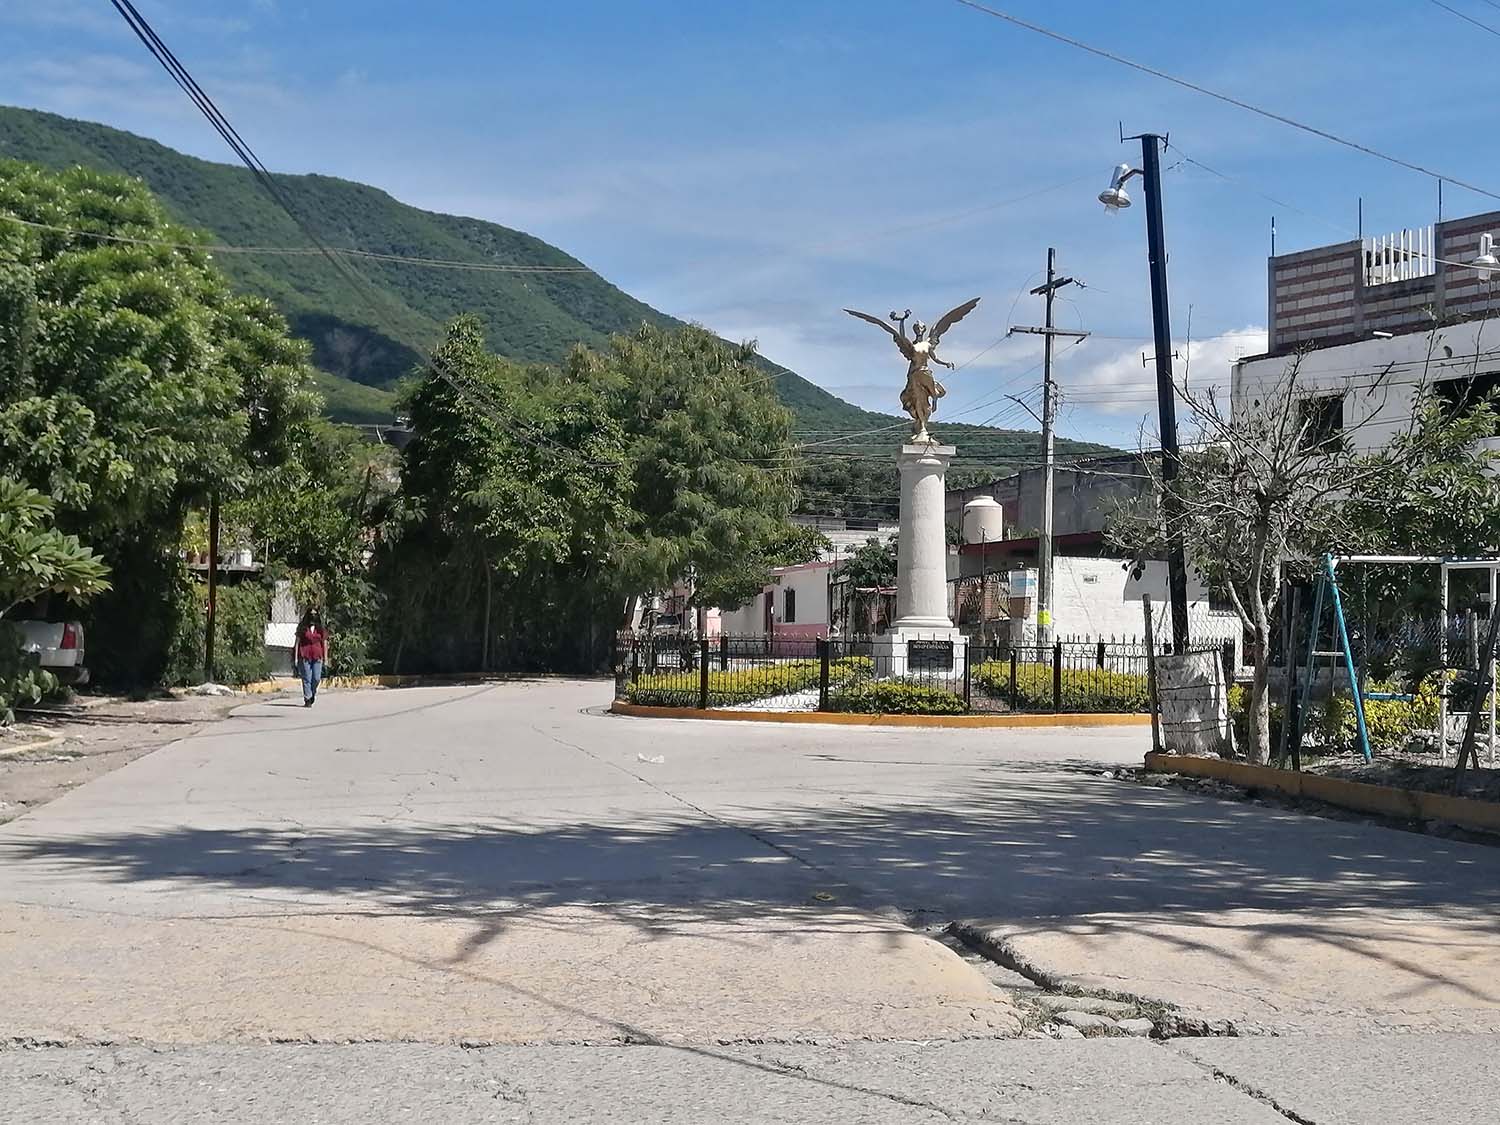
<point x="210" y="621"/>
<point x="1166" y="393"/>
<point x="1044" y="584"/>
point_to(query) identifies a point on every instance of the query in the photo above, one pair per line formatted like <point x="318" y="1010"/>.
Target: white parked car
<point x="59" y="645"/>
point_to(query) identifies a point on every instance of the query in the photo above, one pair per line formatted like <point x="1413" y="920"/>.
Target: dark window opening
<point x="853" y="523"/>
<point x="1457" y="398"/>
<point x="1323" y="422"/>
<point x="789" y="606"/>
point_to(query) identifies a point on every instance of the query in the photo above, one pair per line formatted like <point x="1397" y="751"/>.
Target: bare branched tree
<point x="1263" y="494"/>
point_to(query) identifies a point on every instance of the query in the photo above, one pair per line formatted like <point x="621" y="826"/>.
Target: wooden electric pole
<point x="1044" y="584"/>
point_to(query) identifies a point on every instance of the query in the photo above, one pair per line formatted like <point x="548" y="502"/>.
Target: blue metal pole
<point x="1338" y="615"/>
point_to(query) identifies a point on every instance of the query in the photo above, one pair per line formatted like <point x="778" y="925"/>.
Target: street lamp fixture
<point x="1486" y="264"/>
<point x="1115" y="196"/>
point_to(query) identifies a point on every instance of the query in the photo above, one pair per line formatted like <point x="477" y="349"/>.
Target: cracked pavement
<point x="480" y="904"/>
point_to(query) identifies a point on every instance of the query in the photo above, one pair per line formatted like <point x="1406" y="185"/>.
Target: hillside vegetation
<point x="363" y="350"/>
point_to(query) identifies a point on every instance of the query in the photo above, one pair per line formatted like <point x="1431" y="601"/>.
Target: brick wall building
<point x="1395" y="283"/>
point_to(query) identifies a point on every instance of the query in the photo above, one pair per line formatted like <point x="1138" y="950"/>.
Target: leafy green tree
<point x="871" y="566"/>
<point x="36" y="558"/>
<point x="133" y="385"/>
<point x="710" y="478"/>
<point x="314" y="515"/>
<point x="511" y="501"/>
<point x="1438" y="494"/>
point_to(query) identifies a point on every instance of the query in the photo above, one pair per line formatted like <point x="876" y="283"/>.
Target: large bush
<point x="1331" y="726"/>
<point x="239" y="635"/>
<point x="1083" y="689"/>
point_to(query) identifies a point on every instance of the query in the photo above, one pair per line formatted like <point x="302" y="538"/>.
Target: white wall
<point x="1096" y="599"/>
<point x="810" y="584"/>
<point x="1375" y="414"/>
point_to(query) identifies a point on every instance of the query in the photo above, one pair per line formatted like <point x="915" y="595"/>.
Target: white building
<point x="1096" y="596"/>
<point x="848" y="533"/>
<point x="793" y="603"/>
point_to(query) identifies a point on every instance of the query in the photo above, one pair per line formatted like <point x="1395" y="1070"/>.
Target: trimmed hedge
<point x="1083" y="689"/>
<point x="725" y="689"/>
<point x="895" y="697"/>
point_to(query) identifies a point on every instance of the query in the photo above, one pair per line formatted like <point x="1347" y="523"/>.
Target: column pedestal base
<point x="922" y="651"/>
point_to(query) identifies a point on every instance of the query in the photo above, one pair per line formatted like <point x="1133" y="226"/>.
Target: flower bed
<point x="1083" y="689"/>
<point x="744" y="685"/>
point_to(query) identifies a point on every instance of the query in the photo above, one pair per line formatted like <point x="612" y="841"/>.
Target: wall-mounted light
<point x="1485" y="263"/>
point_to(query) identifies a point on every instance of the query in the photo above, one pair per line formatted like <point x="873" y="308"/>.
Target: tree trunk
<point x="1258" y="712"/>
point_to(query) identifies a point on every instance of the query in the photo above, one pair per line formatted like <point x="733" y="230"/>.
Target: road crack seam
<point x="1253" y="1092"/>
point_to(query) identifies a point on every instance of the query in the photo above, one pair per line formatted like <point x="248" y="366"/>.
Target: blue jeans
<point x="312" y="675"/>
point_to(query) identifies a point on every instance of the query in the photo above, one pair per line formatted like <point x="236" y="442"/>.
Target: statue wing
<point x="949" y="319"/>
<point x="901" y="341"/>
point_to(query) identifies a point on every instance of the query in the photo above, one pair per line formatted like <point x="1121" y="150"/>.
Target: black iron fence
<point x="881" y="674"/>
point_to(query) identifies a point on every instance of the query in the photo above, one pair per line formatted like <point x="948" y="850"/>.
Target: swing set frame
<point x="1327" y="588"/>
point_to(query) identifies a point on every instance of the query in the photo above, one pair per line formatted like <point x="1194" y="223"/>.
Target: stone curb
<point x="826" y="718"/>
<point x="1359" y="796"/>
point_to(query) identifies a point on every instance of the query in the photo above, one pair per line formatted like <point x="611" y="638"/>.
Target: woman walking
<point x="311" y="649"/>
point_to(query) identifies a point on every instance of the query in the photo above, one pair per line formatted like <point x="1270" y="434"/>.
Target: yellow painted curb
<point x="264" y="687"/>
<point x="838" y="719"/>
<point x="1360" y="796"/>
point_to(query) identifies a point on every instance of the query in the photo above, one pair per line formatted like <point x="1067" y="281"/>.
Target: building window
<point x="1219" y="601"/>
<point x="789" y="606"/>
<point x="1323" y="422"/>
<point x="1458" y="397"/>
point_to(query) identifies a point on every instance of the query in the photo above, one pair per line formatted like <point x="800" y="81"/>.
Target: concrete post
<point x="922" y="549"/>
<point x="922" y="639"/>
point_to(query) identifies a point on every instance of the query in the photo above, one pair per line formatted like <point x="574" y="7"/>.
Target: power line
<point x="1228" y="99"/>
<point x="465" y="386"/>
<point x="1468" y="18"/>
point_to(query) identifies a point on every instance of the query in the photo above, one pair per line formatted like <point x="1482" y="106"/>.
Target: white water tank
<point x="984" y="520"/>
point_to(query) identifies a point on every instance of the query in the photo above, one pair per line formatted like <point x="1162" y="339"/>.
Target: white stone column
<point x="922" y="549"/>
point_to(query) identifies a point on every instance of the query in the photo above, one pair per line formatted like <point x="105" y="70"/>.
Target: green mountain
<point x="363" y="350"/>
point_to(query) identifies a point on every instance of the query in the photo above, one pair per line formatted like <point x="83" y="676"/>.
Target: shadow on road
<point x="1021" y="844"/>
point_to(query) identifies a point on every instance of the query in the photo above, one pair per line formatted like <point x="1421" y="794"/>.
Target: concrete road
<point x="499" y="865"/>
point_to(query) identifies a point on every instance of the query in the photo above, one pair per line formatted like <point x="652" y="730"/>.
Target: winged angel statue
<point x="919" y="399"/>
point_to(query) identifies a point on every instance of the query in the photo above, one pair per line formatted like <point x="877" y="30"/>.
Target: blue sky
<point x="757" y="166"/>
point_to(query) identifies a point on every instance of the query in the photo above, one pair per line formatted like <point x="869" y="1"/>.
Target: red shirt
<point x="312" y="644"/>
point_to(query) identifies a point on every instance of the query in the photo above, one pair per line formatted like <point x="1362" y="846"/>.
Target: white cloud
<point x="1120" y="382"/>
<point x="93" y="68"/>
